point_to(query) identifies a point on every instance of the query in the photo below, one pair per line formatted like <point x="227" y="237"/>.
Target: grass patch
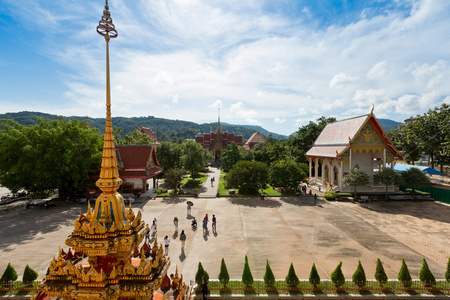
<point x="270" y="191"/>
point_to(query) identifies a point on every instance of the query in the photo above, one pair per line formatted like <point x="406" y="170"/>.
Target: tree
<point x="200" y="273"/>
<point x="224" y="277"/>
<point x="291" y="277"/>
<point x="425" y="275"/>
<point x="193" y="157"/>
<point x="29" y="275"/>
<point x="173" y="177"/>
<point x="380" y="274"/>
<point x="356" y="178"/>
<point x="230" y="156"/>
<point x="169" y="155"/>
<point x="247" y="277"/>
<point x="415" y="177"/>
<point x="387" y="177"/>
<point x="136" y="138"/>
<point x="337" y="277"/>
<point x="404" y="138"/>
<point x="447" y="271"/>
<point x="269" y="278"/>
<point x="359" y="277"/>
<point x="247" y="176"/>
<point x="403" y="275"/>
<point x="314" y="277"/>
<point x="9" y="274"/>
<point x="287" y="173"/>
<point x="47" y="156"/>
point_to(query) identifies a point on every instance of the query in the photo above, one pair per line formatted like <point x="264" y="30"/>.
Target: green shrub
<point x="425" y="275"/>
<point x="380" y="274"/>
<point x="330" y="195"/>
<point x="343" y="195"/>
<point x="269" y="278"/>
<point x="190" y="183"/>
<point x="247" y="277"/>
<point x="224" y="277"/>
<point x="9" y="274"/>
<point x="200" y="273"/>
<point x="314" y="277"/>
<point x="447" y="272"/>
<point x="403" y="275"/>
<point x="359" y="277"/>
<point x="337" y="277"/>
<point x="29" y="275"/>
<point x="161" y="191"/>
<point x="291" y="278"/>
<point x="180" y="192"/>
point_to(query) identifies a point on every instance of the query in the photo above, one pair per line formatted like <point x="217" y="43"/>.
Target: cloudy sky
<point x="275" y="63"/>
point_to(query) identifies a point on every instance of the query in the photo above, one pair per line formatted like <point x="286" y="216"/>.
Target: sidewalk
<point x="210" y="191"/>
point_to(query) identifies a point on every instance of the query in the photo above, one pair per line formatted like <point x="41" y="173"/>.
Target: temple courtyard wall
<point x="282" y="230"/>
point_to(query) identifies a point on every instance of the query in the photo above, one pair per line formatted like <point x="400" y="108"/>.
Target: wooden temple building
<point x="358" y="142"/>
<point x="217" y="141"/>
<point x="105" y="259"/>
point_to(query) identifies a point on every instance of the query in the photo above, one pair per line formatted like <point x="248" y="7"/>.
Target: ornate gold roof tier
<point x="104" y="241"/>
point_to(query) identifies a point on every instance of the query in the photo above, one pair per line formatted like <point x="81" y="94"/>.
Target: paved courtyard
<point x="281" y="230"/>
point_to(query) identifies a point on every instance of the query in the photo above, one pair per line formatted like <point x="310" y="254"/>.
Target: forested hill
<point x="165" y="129"/>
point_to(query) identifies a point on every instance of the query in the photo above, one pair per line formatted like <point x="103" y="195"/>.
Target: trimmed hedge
<point x="269" y="278"/>
<point x="9" y="274"/>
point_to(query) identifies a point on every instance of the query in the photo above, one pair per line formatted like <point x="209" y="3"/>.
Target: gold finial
<point x="105" y="26"/>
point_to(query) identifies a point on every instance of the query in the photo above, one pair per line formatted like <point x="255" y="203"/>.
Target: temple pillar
<point x="341" y="172"/>
<point x="316" y="168"/>
<point x="384" y="159"/>
<point x="310" y="167"/>
<point x="350" y="161"/>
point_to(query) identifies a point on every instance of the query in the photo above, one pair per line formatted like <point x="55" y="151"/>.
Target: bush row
<point x="10" y="274"/>
<point x="337" y="276"/>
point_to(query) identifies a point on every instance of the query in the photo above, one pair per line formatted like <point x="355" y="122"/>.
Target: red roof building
<point x="255" y="139"/>
<point x="358" y="142"/>
<point x="136" y="165"/>
<point x="218" y="140"/>
<point x="151" y="135"/>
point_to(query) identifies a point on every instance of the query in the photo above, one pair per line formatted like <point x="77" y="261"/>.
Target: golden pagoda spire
<point x="109" y="206"/>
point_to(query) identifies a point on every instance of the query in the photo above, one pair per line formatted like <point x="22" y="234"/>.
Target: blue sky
<point x="278" y="63"/>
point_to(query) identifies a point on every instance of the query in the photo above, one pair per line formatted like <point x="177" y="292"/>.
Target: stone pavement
<point x="208" y="190"/>
<point x="279" y="229"/>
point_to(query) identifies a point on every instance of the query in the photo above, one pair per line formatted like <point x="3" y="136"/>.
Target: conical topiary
<point x="425" y="274"/>
<point x="269" y="278"/>
<point x="9" y="274"/>
<point x="29" y="275"/>
<point x="403" y="275"/>
<point x="380" y="274"/>
<point x="291" y="278"/>
<point x="247" y="277"/>
<point x="359" y="277"/>
<point x="224" y="277"/>
<point x="447" y="272"/>
<point x="337" y="277"/>
<point x="200" y="273"/>
<point x="314" y="277"/>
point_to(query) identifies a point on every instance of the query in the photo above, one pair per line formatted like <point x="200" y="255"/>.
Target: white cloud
<point x="279" y="67"/>
<point x="339" y="79"/>
<point x="379" y="70"/>
<point x="217" y="104"/>
<point x="248" y="114"/>
<point x="175" y="98"/>
<point x="279" y="120"/>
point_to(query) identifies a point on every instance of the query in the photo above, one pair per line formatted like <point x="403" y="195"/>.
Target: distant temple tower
<point x="104" y="260"/>
<point x="218" y="140"/>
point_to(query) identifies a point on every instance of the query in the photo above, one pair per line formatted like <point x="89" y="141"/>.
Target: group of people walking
<point x="154" y="229"/>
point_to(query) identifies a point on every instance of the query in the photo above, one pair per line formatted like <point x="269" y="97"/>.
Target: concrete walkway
<point x="210" y="191"/>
